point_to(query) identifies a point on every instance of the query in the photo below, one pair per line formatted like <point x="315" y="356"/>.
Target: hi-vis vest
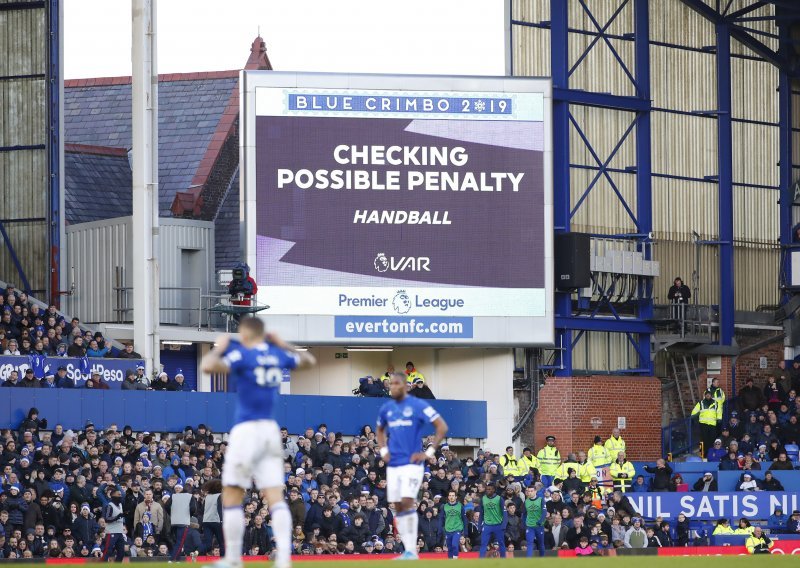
<point x="614" y="446"/>
<point x="563" y="471"/>
<point x="707" y="409"/>
<point x="526" y="463"/>
<point x="510" y="465"/>
<point x="549" y="460"/>
<point x="586" y="471"/>
<point x="598" y="455"/>
<point x="719" y="397"/>
<point x="622" y="483"/>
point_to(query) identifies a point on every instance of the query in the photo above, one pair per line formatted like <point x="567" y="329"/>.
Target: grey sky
<point x="458" y="37"/>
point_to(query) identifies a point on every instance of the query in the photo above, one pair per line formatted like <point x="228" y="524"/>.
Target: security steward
<point x="758" y="542"/>
<point x="549" y="461"/>
<point x="707" y="411"/>
<point x="529" y="461"/>
<point x="510" y="463"/>
<point x="622" y="472"/>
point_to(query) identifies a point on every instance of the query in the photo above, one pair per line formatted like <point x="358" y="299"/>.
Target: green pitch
<point x="611" y="562"/>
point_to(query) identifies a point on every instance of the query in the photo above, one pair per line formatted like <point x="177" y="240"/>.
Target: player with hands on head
<point x="254" y="362"/>
<point x="399" y="431"/>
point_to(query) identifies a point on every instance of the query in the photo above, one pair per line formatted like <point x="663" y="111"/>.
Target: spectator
<point x="707" y="483"/>
<point x="793" y="525"/>
<point x="771" y="483"/>
<point x="777" y="521"/>
<point x="679" y="292"/>
<point x="420" y="390"/>
<point x="717" y="452"/>
<point x="750" y="398"/>
<point x="635" y="536"/>
<point x="12" y="380"/>
<point x="128" y="353"/>
<point x="130" y="382"/>
<point x="141" y="377"/>
<point x="370" y="387"/>
<point x="782" y="463"/>
<point x="773" y="393"/>
<point x="29" y="380"/>
<point x="12" y="348"/>
<point x="77" y="348"/>
<point x="640" y="486"/>
<point x="96" y="381"/>
<point x="62" y="379"/>
<point x="49" y="381"/>
<point x="748" y="483"/>
<point x="162" y="383"/>
<point x="179" y="383"/>
<point x="661" y="475"/>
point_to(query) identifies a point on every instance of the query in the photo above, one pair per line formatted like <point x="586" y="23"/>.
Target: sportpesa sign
<point x="399" y="209"/>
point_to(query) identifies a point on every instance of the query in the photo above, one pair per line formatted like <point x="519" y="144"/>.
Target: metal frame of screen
<point x="488" y="331"/>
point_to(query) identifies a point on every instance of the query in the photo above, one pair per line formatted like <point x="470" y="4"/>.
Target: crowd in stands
<point x="370" y="386"/>
<point x="58" y="488"/>
<point x="44" y="335"/>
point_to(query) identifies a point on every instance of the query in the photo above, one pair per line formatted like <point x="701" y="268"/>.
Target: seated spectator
<point x="748" y="483"/>
<point x="13" y="348"/>
<point x="29" y="380"/>
<point x="793" y="525"/>
<point x="678" y="485"/>
<point x="49" y="381"/>
<point x="777" y="521"/>
<point x="12" y="380"/>
<point x="706" y="483"/>
<point x="128" y="353"/>
<point x="420" y="390"/>
<point x="162" y="383"/>
<point x="782" y="463"/>
<point x="370" y="387"/>
<point x="94" y="350"/>
<point x="77" y="348"/>
<point x="771" y="483"/>
<point x="717" y="451"/>
<point x="179" y="383"/>
<point x="749" y="397"/>
<point x="95" y="381"/>
<point x="130" y="382"/>
<point x="640" y="485"/>
<point x="62" y="379"/>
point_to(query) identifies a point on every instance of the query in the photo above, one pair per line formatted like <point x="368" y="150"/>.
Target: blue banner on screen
<point x="366" y="327"/>
<point x="420" y="202"/>
<point x="712" y="506"/>
<point x="78" y="369"/>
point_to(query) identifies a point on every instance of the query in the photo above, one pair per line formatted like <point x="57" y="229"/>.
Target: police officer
<point x="707" y="410"/>
<point x="549" y="461"/>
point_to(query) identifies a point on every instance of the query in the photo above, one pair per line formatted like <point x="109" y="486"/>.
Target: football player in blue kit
<point x="399" y="430"/>
<point x="254" y="362"/>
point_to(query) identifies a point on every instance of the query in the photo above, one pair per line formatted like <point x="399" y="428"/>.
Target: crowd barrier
<point x="726" y="480"/>
<point x="173" y="411"/>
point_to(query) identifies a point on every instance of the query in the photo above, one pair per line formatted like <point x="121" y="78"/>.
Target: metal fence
<point x="680" y="437"/>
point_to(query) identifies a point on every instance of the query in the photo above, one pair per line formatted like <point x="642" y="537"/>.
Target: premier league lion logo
<point x="401" y="302"/>
<point x="381" y="262"/>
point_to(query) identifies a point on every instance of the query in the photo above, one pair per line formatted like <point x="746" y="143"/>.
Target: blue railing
<point x="680" y="437"/>
<point x="173" y="411"/>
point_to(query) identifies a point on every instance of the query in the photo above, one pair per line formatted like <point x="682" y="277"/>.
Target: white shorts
<point x="254" y="453"/>
<point x="403" y="482"/>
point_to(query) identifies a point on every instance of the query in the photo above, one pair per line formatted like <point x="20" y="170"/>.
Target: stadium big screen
<point x="399" y="209"/>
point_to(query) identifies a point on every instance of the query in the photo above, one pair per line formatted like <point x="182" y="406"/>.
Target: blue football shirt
<point x="257" y="373"/>
<point x="404" y="422"/>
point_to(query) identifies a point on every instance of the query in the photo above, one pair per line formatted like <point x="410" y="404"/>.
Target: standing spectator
<point x="749" y="397"/>
<point x="635" y="536"/>
<point x="773" y="393"/>
<point x="661" y="475"/>
<point x="707" y="411"/>
<point x="149" y="505"/>
<point x="94" y="350"/>
<point x="128" y="353"/>
<point x="679" y="292"/>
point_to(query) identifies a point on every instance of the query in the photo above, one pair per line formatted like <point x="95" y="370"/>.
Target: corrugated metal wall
<point x="100" y="261"/>
<point x="683" y="79"/>
<point x="24" y="122"/>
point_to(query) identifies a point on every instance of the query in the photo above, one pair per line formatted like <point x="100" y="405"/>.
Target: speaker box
<point x="572" y="261"/>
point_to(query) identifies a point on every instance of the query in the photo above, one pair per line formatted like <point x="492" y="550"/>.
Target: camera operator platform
<point x="242" y="290"/>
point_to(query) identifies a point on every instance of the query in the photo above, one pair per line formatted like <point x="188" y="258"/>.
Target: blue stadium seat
<point x="793" y="452"/>
<point x="694" y="459"/>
